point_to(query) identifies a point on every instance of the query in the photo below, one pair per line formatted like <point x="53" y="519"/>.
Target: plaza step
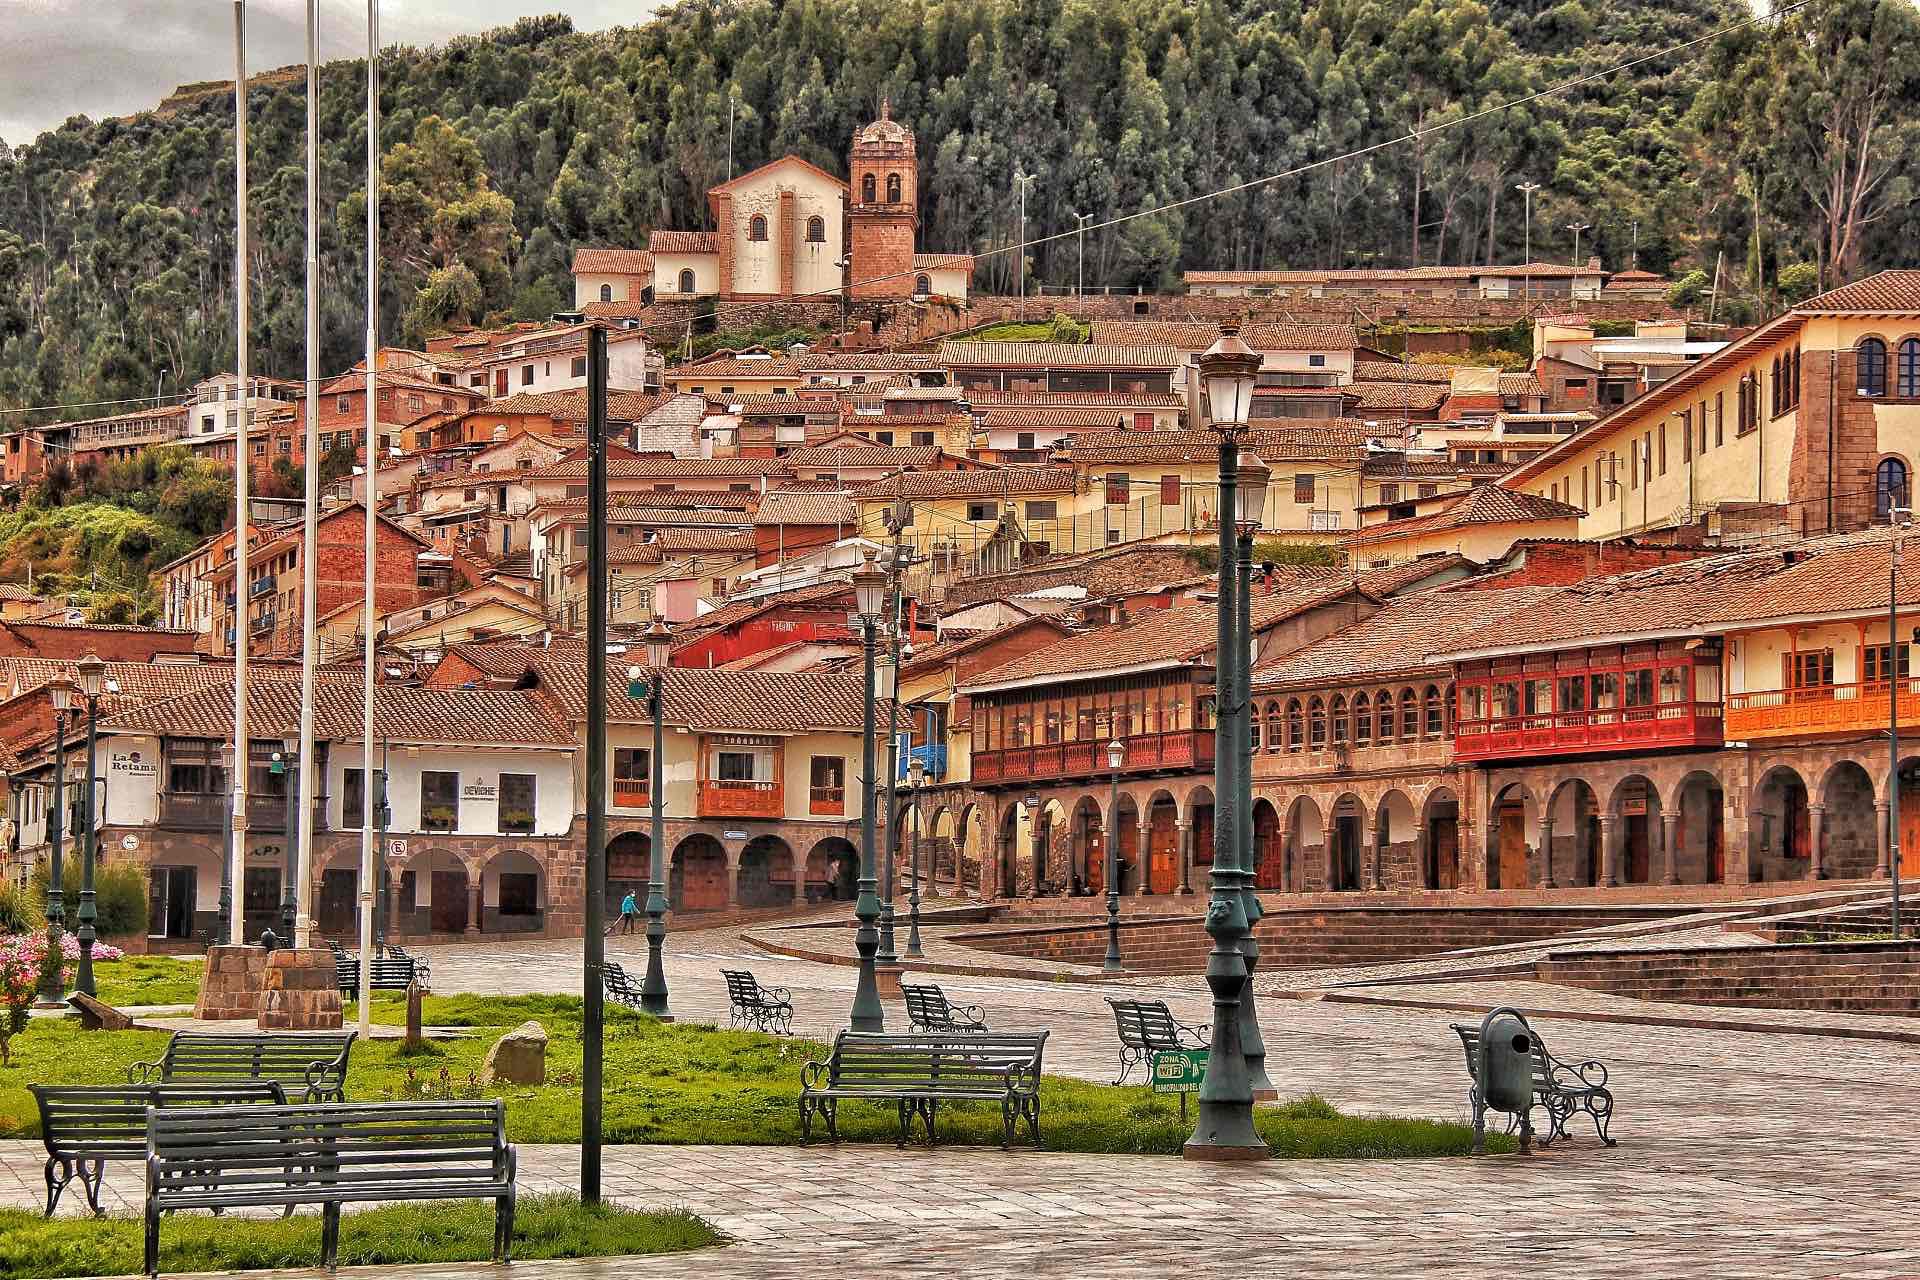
<point x="1857" y="977"/>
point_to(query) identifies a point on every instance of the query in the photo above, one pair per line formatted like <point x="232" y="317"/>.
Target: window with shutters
<point x="1811" y="670"/>
<point x="1169" y="491"/>
<point x="1303" y="489"/>
<point x="1119" y="485"/>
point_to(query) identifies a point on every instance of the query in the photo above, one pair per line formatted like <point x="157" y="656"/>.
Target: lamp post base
<point x="886" y="978"/>
<point x="1214" y="1151"/>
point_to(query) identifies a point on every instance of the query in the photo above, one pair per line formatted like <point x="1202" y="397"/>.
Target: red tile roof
<point x="662" y="469"/>
<point x="816" y="508"/>
<point x="1882" y="292"/>
<point x="832" y="457"/>
<point x="1274" y="440"/>
<point x="1198" y="335"/>
<point x="612" y="262"/>
<point x="1398" y="639"/>
<point x="733" y="367"/>
<point x="715" y="701"/>
<point x="1062" y="417"/>
<point x="943" y="262"/>
<point x="986" y="397"/>
<point x="401" y="714"/>
<point x="1393" y="371"/>
<point x="683" y="242"/>
<point x="1421" y="396"/>
<point x="1482" y="504"/>
<point x="861" y="361"/>
<point x="987" y="482"/>
<point x="1058" y="355"/>
<point x="571" y="405"/>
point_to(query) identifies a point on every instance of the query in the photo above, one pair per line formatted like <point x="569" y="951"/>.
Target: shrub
<point x="19" y="912"/>
<point x="1687" y="289"/>
<point x="119" y="894"/>
<point x="1797" y="282"/>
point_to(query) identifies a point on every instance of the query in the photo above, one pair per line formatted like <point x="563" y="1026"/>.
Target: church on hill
<point x="791" y="229"/>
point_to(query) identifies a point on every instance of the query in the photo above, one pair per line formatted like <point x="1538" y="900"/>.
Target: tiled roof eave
<point x="1083" y="673"/>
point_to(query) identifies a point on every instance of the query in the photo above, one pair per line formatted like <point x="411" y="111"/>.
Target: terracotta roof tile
<point x="1521" y="384"/>
<point x="1063" y="417"/>
<point x="861" y="361"/>
<point x="1482" y="504"/>
<point x="662" y="469"/>
<point x="1398" y="639"/>
<point x="401" y="714"/>
<point x="819" y="508"/>
<point x="1297" y="441"/>
<point x="1884" y="291"/>
<point x="988" y="397"/>
<point x="683" y="242"/>
<point x="828" y="457"/>
<point x="943" y="262"/>
<point x="612" y="262"/>
<point x="673" y="540"/>
<point x="1108" y="571"/>
<point x="731" y="366"/>
<point x="983" y="483"/>
<point x="571" y="405"/>
<point x="1420" y="396"/>
<point x="715" y="701"/>
<point x="1393" y="371"/>
<point x="1198" y="335"/>
<point x="1062" y="355"/>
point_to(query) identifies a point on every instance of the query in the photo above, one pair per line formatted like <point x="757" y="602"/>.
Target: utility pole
<point x="1526" y="238"/>
<point x="592" y="1029"/>
<point x="367" y="616"/>
<point x="1577" y="228"/>
<point x="1022" y="180"/>
<point x="308" y="775"/>
<point x="242" y="463"/>
<point x="1081" y="219"/>
<point x="1634" y="263"/>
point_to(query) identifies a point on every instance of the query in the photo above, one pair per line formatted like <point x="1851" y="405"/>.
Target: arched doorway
<point x="833" y="871"/>
<point x="1440" y="839"/>
<point x="1910" y="818"/>
<point x="1636" y="814"/>
<point x="434" y="895"/>
<point x="1699" y="835"/>
<point x="766" y="873"/>
<point x="1511" y="826"/>
<point x="1575" y="812"/>
<point x="1049" y="864"/>
<point x="1163" y="844"/>
<point x="1305" y="840"/>
<point x="969" y="851"/>
<point x="1396" y="840"/>
<point x="1089" y="848"/>
<point x="942" y="850"/>
<point x="1346" y="845"/>
<point x="697" y="880"/>
<point x="512" y="893"/>
<point x="1127" y="830"/>
<point x="336" y="906"/>
<point x="1780" y="827"/>
<point x="629" y="858"/>
<point x="1852" y="846"/>
<point x="1008" y="848"/>
<point x="1200" y="819"/>
<point x="1269" y="850"/>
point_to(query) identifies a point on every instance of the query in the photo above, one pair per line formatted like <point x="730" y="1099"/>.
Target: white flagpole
<point x="242" y="462"/>
<point x="310" y="545"/>
<point x="367" y="616"/>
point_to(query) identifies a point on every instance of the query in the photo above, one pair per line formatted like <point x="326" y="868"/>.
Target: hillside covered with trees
<point x="1784" y="145"/>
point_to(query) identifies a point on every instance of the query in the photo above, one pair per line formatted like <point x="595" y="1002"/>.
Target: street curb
<point x="1639" y="1019"/>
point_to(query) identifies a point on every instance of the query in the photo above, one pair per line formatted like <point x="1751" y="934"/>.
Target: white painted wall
<point x="479" y="772"/>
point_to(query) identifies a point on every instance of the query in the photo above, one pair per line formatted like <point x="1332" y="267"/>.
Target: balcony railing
<point x="1833" y="708"/>
<point x="827" y="801"/>
<point x="1661" y="725"/>
<point x="199" y="811"/>
<point x="1183" y="749"/>
<point x="731" y="798"/>
<point x="632" y="793"/>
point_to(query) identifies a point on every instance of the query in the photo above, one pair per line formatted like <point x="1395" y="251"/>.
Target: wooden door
<point x="1096" y="847"/>
<point x="449" y="910"/>
<point x="337" y="892"/>
<point x="1445" y="843"/>
<point x="1909" y="828"/>
<point x="1512" y="861"/>
<point x="1639" y="858"/>
<point x="1163" y="851"/>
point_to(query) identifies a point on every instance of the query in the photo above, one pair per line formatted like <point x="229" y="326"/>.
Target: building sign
<point x="478" y="791"/>
<point x="396" y="848"/>
<point x="733" y="835"/>
<point x="133" y="764"/>
<point x="1179" y="1070"/>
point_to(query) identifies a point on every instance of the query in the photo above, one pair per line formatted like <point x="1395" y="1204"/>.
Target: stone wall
<point x="1835" y="447"/>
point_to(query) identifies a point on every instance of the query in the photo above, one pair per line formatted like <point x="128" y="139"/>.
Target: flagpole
<point x="242" y="463"/>
<point x="309" y="549"/>
<point x="367" y="614"/>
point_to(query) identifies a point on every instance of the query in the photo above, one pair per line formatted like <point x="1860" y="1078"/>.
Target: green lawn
<point x="690" y="1083"/>
<point x="545" y="1226"/>
<point x="1032" y="331"/>
<point x="133" y="980"/>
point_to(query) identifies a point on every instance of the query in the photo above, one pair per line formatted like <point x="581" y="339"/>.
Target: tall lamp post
<point x="869" y="602"/>
<point x="1901" y="518"/>
<point x="1224" y="1128"/>
<point x="1526" y="189"/>
<point x="659" y="639"/>
<point x="916" y="778"/>
<point x="93" y="680"/>
<point x="898" y="518"/>
<point x="53" y="986"/>
<point x="1251" y="497"/>
<point x="287" y="764"/>
<point x="226" y="843"/>
<point x="1116" y="757"/>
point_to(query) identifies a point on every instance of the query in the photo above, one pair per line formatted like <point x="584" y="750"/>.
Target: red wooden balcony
<point x="827" y="801"/>
<point x="1146" y="752"/>
<point x="631" y="793"/>
<point x="1832" y="708"/>
<point x="724" y="798"/>
<point x="1661" y="726"/>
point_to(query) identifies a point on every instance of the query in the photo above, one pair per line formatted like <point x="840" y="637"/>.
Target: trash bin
<point x="1503" y="1080"/>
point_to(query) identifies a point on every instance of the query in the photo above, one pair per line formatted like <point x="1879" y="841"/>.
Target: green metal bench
<point x="84" y="1126"/>
<point x="330" y="1154"/>
<point x="618" y="984"/>
<point x="752" y="1005"/>
<point x="314" y="1063"/>
<point x="389" y="973"/>
<point x="1147" y="1027"/>
<point x="929" y="1010"/>
<point x="919" y="1072"/>
<point x="1560" y="1088"/>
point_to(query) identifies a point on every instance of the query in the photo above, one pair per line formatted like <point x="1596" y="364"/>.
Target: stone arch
<point x="441" y="897"/>
<point x="1780" y="826"/>
<point x="1573" y="809"/>
<point x="766" y="873"/>
<point x="686" y="282"/>
<point x="513" y="893"/>
<point x="1635" y="809"/>
<point x="1849" y="846"/>
<point x="1305" y="839"/>
<point x="893" y="188"/>
<point x="629" y="868"/>
<point x="972" y="839"/>
<point x="697" y="877"/>
<point x="923" y="284"/>
<point x="1162" y="851"/>
<point x="1513" y="827"/>
<point x="1697" y="854"/>
<point x="1269" y="848"/>
<point x="832" y="871"/>
<point x="943" y="848"/>
<point x="336" y="899"/>
<point x="1006" y="852"/>
<point x="1440" y="839"/>
<point x="1346" y="846"/>
<point x="1087" y="831"/>
<point x="1197" y="814"/>
<point x="1909" y="823"/>
<point x="1052" y="854"/>
<point x="867" y="189"/>
<point x="1396" y="839"/>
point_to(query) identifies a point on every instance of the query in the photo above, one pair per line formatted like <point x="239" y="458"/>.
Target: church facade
<point x="789" y="229"/>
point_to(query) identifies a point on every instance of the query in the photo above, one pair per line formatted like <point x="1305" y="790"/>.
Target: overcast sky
<point x="98" y="58"/>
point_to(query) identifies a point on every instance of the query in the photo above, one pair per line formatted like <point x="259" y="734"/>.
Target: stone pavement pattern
<point x="1742" y="1154"/>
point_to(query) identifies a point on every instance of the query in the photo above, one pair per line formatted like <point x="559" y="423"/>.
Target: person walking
<point x="629" y="913"/>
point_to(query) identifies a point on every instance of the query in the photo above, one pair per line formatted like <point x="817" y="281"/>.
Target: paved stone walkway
<point x="1742" y="1154"/>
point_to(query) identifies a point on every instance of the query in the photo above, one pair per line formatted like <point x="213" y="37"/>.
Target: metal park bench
<point x="389" y="973"/>
<point x="312" y="1062"/>
<point x="1561" y="1088"/>
<point x="928" y="1010"/>
<point x="421" y="968"/>
<point x="84" y="1126"/>
<point x="328" y="1155"/>
<point x="618" y="986"/>
<point x="752" y="1005"/>
<point x="919" y="1072"/>
<point x="1147" y="1027"/>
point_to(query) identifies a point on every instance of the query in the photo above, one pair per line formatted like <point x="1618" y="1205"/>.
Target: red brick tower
<point x="884" y="209"/>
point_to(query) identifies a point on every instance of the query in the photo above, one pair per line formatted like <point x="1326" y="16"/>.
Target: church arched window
<point x="922" y="285"/>
<point x="866" y="189"/>
<point x="893" y="188"/>
<point x="757" y="227"/>
<point x="816" y="230"/>
<point x="606" y="293"/>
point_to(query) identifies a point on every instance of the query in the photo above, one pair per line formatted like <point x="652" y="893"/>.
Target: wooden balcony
<point x="631" y="793"/>
<point x="827" y="802"/>
<point x="721" y="798"/>
<point x="1836" y="708"/>
<point x="199" y="811"/>
<point x="1146" y="753"/>
<point x="1661" y="726"/>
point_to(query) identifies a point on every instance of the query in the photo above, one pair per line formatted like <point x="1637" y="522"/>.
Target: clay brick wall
<point x="882" y="256"/>
<point x="1835" y="448"/>
<point x="114" y="644"/>
<point x="1559" y="564"/>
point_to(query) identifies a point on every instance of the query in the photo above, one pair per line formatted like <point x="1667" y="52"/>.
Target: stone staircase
<point x="1841" y="977"/>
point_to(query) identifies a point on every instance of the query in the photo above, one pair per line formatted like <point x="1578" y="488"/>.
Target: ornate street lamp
<point x="53" y="986"/>
<point x="916" y="778"/>
<point x="898" y="518"/>
<point x="286" y="765"/>
<point x="1224" y="1128"/>
<point x="1116" y="757"/>
<point x="93" y="681"/>
<point x="1250" y="513"/>
<point x="869" y="603"/>
<point x="659" y="640"/>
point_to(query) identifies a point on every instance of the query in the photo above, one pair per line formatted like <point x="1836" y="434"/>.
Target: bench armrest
<point x="1202" y="1034"/>
<point x="812" y="1073"/>
<point x="1592" y="1074"/>
<point x="970" y="1013"/>
<point x="1022" y="1078"/>
<point x="143" y="1072"/>
<point x="320" y="1075"/>
<point x="776" y="995"/>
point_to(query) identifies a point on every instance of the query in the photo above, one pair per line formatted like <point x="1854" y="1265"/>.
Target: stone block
<point x="97" y="1015"/>
<point x="231" y="985"/>
<point x="518" y="1057"/>
<point x="300" y="992"/>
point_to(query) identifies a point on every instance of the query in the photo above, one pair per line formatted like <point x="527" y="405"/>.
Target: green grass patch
<point x="684" y="1083"/>
<point x="545" y="1226"/>
<point x="1059" y="329"/>
<point x="133" y="980"/>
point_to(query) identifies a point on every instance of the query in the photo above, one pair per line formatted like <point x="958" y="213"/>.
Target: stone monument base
<point x="231" y="986"/>
<point x="300" y="992"/>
